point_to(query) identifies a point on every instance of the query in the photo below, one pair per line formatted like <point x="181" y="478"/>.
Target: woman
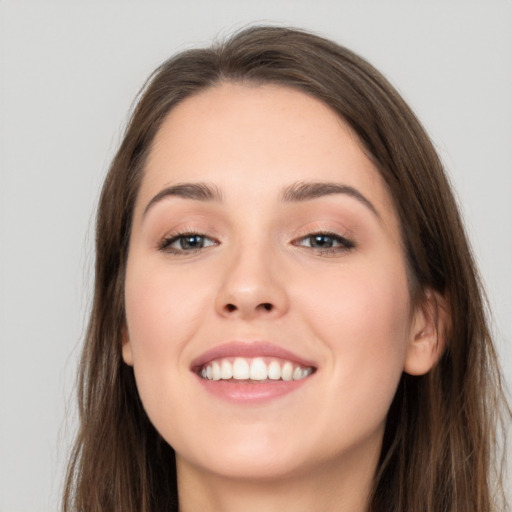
<point x="286" y="310"/>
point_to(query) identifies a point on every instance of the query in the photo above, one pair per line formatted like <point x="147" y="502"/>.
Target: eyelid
<point x="341" y="242"/>
<point x="164" y="244"/>
<point x="345" y="244"/>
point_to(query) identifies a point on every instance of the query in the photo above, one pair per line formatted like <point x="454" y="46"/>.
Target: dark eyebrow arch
<point x="304" y="191"/>
<point x="197" y="191"/>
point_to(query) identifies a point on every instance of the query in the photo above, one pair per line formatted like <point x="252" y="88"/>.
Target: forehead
<point x="256" y="139"/>
<point x="240" y="120"/>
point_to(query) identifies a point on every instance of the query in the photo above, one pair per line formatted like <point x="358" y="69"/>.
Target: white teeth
<point x="240" y="369"/>
<point x="301" y="373"/>
<point x="274" y="370"/>
<point x="297" y="373"/>
<point x="253" y="369"/>
<point x="226" y="370"/>
<point x="258" y="369"/>
<point x="287" y="371"/>
<point x="216" y="371"/>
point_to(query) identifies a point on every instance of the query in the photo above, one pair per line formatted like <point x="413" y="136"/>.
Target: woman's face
<point x="265" y="244"/>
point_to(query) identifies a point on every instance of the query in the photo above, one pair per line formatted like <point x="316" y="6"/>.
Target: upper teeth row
<point x="254" y="369"/>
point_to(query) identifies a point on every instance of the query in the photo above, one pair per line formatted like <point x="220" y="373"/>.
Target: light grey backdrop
<point x="68" y="73"/>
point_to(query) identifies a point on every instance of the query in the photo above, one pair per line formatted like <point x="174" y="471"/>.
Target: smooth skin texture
<point x="257" y="273"/>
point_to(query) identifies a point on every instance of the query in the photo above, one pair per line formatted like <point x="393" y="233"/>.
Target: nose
<point x="252" y="286"/>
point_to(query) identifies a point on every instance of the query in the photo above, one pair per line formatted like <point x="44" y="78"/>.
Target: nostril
<point x="267" y="306"/>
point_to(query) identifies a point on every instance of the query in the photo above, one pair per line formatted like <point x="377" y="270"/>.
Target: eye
<point x="325" y="243"/>
<point x="180" y="243"/>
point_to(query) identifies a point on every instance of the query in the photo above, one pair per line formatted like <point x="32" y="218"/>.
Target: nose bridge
<point x="251" y="285"/>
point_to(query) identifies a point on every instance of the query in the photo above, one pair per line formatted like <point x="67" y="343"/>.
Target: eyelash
<point x="166" y="242"/>
<point x="345" y="244"/>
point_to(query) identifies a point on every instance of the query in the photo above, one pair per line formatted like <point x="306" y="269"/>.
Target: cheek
<point x="363" y="321"/>
<point x="359" y="305"/>
<point x="376" y="316"/>
<point x="161" y="310"/>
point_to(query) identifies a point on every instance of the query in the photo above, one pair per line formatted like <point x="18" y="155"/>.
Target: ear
<point x="126" y="348"/>
<point x="428" y="334"/>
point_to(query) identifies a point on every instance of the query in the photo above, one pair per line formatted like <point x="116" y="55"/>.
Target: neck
<point x="330" y="489"/>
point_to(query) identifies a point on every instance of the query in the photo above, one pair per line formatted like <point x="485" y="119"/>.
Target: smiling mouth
<point x="257" y="370"/>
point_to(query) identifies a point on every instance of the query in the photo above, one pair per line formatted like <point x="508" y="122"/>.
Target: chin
<point x="258" y="456"/>
<point x="246" y="465"/>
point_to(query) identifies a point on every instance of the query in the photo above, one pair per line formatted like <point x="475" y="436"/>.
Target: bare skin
<point x="330" y="489"/>
<point x="322" y="276"/>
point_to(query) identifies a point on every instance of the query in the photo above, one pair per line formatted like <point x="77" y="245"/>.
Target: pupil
<point x="321" y="241"/>
<point x="191" y="242"/>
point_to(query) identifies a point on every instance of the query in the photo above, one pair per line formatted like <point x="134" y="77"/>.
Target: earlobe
<point x="428" y="334"/>
<point x="126" y="348"/>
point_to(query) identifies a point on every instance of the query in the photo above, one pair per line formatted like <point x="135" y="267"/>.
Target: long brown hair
<point x="439" y="445"/>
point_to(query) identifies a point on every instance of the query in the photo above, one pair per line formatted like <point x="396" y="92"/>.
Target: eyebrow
<point x="297" y="192"/>
<point x="197" y="191"/>
<point x="305" y="191"/>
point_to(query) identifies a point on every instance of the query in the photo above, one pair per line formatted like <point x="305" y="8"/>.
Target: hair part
<point x="440" y="436"/>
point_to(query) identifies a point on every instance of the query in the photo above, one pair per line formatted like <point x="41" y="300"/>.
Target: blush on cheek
<point x="163" y="311"/>
<point x="373" y="317"/>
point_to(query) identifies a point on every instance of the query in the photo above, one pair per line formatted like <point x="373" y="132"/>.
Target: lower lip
<point x="251" y="392"/>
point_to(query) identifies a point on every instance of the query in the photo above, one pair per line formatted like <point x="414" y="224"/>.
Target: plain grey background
<point x="69" y="71"/>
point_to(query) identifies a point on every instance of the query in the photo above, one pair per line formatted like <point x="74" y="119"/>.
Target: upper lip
<point x="249" y="349"/>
